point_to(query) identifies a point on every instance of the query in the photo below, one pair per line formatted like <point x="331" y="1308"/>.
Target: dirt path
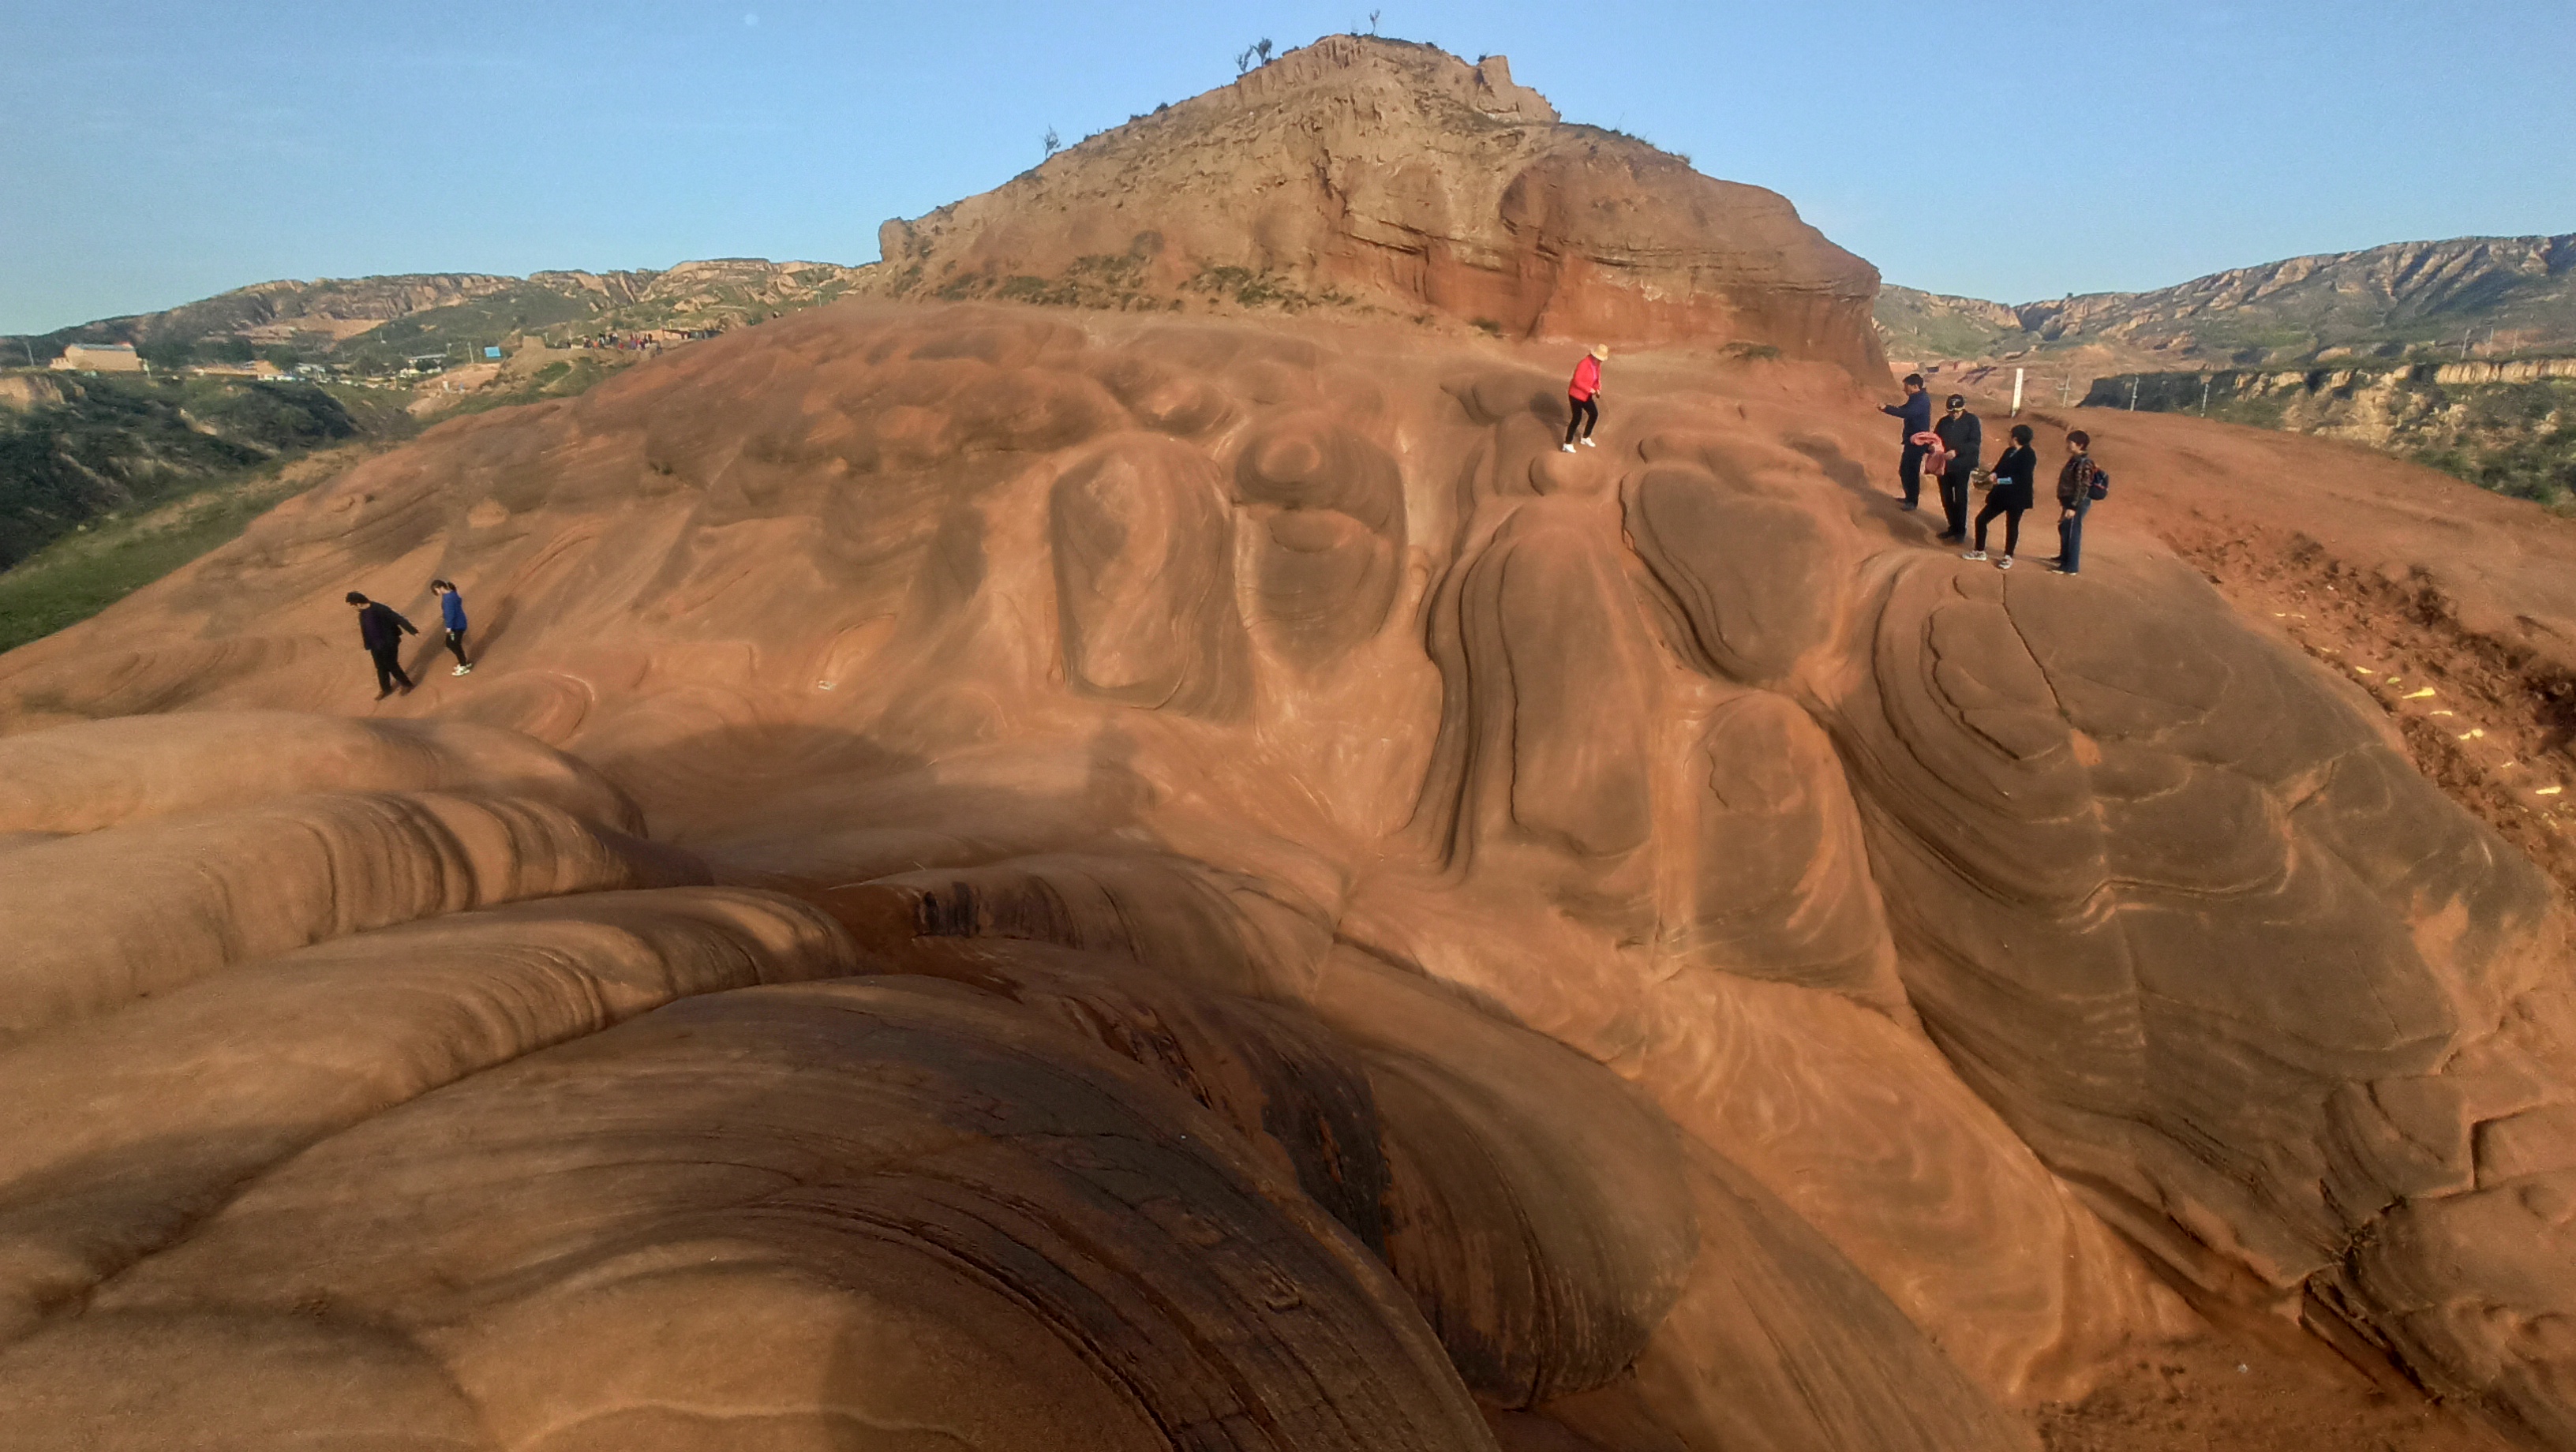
<point x="2490" y="724"/>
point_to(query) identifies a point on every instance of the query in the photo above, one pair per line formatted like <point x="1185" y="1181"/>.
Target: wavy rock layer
<point x="1004" y="883"/>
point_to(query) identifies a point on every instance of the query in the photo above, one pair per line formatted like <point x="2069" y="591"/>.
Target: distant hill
<point x="78" y="451"/>
<point x="2502" y="296"/>
<point x="74" y="449"/>
<point x="374" y="324"/>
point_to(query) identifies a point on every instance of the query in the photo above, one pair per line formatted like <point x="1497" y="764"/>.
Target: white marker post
<point x="2016" y="408"/>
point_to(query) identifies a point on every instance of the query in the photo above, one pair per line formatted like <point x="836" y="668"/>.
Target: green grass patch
<point x="111" y="557"/>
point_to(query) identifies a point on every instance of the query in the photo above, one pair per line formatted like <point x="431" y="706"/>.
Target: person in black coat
<point x="1913" y="416"/>
<point x="2015" y="470"/>
<point x="381" y="631"/>
<point x="1965" y="438"/>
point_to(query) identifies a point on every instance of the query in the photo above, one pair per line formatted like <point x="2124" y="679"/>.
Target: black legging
<point x="2012" y="525"/>
<point x="1587" y="412"/>
<point x="456" y="646"/>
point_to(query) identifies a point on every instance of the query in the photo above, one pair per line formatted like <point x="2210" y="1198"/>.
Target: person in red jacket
<point x="1584" y="393"/>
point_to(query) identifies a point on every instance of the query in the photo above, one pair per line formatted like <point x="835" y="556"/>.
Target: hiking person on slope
<point x="451" y="613"/>
<point x="381" y="631"/>
<point x="1913" y="416"/>
<point x="1583" y="394"/>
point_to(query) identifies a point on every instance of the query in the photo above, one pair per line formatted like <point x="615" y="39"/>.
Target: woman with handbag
<point x="2009" y="496"/>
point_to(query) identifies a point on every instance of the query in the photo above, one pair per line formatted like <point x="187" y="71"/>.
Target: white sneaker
<point x="1569" y="448"/>
<point x="1974" y="555"/>
<point x="1587" y="442"/>
<point x="2004" y="564"/>
<point x="460" y="670"/>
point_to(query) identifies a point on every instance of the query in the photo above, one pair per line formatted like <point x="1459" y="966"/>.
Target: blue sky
<point x="161" y="152"/>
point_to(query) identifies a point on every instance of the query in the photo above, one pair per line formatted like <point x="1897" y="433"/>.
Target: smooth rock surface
<point x="1077" y="880"/>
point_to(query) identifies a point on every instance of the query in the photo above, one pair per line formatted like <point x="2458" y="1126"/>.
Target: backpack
<point x="2098" y="486"/>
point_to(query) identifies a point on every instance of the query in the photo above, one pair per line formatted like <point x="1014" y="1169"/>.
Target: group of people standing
<point x="1954" y="446"/>
<point x="381" y="630"/>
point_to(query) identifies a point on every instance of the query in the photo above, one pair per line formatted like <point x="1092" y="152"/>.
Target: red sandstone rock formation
<point x="1095" y="881"/>
<point x="1378" y="176"/>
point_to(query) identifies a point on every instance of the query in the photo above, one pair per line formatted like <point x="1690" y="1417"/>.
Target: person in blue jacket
<point x="451" y="613"/>
<point x="1913" y="416"/>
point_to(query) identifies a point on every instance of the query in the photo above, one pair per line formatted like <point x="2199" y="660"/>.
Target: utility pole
<point x="2204" y="395"/>
<point x="2133" y="393"/>
<point x="2016" y="408"/>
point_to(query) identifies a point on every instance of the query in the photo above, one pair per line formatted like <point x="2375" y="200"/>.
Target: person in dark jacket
<point x="2015" y="470"/>
<point x="381" y="631"/>
<point x="1913" y="416"/>
<point x="1965" y="438"/>
<point x="451" y="614"/>
<point x="2075" y="485"/>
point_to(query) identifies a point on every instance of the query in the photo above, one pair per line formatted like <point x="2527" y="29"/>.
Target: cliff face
<point x="1379" y="175"/>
